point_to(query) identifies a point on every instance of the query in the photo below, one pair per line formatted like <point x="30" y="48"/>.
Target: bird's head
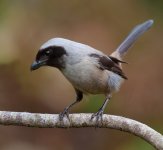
<point x="50" y="54"/>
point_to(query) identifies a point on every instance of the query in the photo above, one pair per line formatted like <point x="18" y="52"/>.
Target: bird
<point x="89" y="70"/>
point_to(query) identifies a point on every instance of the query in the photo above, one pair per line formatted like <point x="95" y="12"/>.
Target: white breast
<point x="86" y="77"/>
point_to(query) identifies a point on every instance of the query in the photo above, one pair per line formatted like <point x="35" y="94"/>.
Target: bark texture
<point x="83" y="120"/>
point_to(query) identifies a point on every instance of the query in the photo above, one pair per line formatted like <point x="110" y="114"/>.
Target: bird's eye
<point x="47" y="53"/>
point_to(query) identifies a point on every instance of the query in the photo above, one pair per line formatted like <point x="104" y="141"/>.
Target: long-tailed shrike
<point x="89" y="70"/>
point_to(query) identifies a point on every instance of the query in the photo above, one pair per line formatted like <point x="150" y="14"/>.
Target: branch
<point x="83" y="120"/>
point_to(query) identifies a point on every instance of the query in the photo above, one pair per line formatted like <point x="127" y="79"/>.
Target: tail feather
<point x="131" y="38"/>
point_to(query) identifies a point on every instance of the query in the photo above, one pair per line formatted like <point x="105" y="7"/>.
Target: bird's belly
<point x="87" y="79"/>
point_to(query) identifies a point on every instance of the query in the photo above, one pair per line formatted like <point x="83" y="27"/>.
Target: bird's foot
<point x="98" y="116"/>
<point x="63" y="114"/>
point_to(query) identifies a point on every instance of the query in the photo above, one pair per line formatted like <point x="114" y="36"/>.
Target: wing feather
<point x="110" y="63"/>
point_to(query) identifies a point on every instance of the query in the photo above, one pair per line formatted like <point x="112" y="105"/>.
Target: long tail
<point x="131" y="38"/>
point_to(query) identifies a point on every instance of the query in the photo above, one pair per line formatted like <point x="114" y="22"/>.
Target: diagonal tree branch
<point x="83" y="120"/>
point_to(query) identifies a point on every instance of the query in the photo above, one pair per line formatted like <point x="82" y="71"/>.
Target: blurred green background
<point x="25" y="25"/>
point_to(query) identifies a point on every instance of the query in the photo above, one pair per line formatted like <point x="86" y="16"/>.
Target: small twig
<point x="83" y="120"/>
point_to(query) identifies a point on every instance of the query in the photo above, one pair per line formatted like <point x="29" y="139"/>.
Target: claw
<point x="63" y="114"/>
<point x="98" y="116"/>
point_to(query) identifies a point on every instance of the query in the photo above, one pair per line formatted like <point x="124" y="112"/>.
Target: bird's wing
<point x="109" y="63"/>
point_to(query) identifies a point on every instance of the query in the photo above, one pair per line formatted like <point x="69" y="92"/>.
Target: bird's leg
<point x="66" y="110"/>
<point x="99" y="114"/>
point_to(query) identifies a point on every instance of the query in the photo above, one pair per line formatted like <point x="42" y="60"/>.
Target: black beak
<point x="37" y="64"/>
